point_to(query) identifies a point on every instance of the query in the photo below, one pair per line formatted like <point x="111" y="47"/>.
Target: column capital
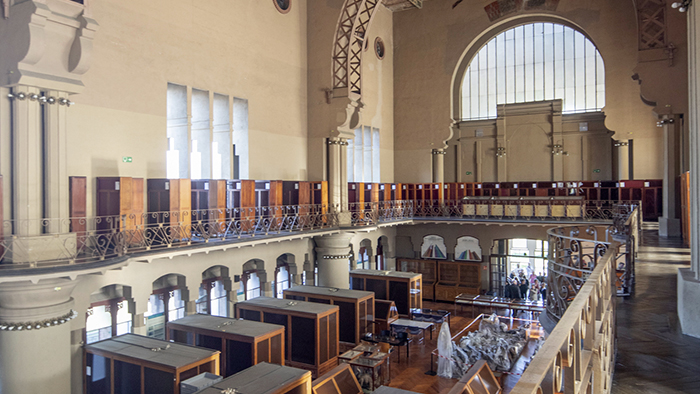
<point x="24" y="305"/>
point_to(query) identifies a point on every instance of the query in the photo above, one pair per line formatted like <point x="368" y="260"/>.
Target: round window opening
<point x="283" y="6"/>
<point x="379" y="48"/>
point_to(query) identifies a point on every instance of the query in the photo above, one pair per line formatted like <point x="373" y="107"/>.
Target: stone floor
<point x="653" y="356"/>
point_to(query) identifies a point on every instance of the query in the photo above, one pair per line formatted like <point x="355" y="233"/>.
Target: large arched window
<point x="534" y="62"/>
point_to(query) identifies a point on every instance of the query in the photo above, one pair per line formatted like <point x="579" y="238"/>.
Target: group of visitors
<point x="521" y="287"/>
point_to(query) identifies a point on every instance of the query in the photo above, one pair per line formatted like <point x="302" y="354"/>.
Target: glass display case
<point x="242" y="343"/>
<point x="404" y="288"/>
<point x="311" y="330"/>
<point x="356" y="308"/>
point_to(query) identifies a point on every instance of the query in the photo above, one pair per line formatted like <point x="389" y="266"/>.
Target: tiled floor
<point x="653" y="356"/>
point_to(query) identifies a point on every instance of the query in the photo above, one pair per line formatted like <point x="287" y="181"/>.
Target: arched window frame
<point x="205" y="305"/>
<point x="463" y="71"/>
<point x="112" y="307"/>
<point x="244" y="282"/>
<point x="279" y="284"/>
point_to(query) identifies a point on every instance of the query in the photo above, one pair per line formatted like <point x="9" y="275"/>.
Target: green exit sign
<point x="127" y="159"/>
<point x="597" y="170"/>
<point x="469" y="172"/>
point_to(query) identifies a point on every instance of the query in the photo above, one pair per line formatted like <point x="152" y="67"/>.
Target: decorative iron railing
<point x="579" y="355"/>
<point x="51" y="241"/>
<point x="587" y="269"/>
<point x="372" y="213"/>
<point x="68" y="241"/>
<point x="574" y="252"/>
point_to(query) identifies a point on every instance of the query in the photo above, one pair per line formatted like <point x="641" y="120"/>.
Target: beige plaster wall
<point x="528" y="139"/>
<point x="377" y="85"/>
<point x="430" y="42"/>
<point x="242" y="48"/>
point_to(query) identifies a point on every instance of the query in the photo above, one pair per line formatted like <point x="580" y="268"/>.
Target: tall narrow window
<point x="178" y="146"/>
<point x="363" y="155"/>
<point x="201" y="135"/>
<point x="534" y="62"/>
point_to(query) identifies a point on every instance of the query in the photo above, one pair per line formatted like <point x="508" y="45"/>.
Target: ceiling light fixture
<point x="681" y="6"/>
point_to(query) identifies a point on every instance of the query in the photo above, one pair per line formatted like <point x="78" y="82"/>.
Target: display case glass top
<point x="246" y="328"/>
<point x="155" y="351"/>
<point x="265" y="378"/>
<point x="291" y="306"/>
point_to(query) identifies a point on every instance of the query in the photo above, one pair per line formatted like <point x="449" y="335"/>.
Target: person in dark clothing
<point x="506" y="289"/>
<point x="523" y="288"/>
<point x="514" y="291"/>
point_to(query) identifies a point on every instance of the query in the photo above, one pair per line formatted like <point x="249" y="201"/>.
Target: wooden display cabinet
<point x="319" y="193"/>
<point x="404" y="288"/>
<point x="296" y="193"/>
<point x="264" y="378"/>
<point x="240" y="202"/>
<point x="208" y="203"/>
<point x="242" y="343"/>
<point x="371" y="192"/>
<point x="339" y="380"/>
<point x="478" y="380"/>
<point x="132" y="364"/>
<point x="385" y="313"/>
<point x="356" y="308"/>
<point x="427" y="268"/>
<point x="356" y="194"/>
<point x="311" y="329"/>
<point x="455" y="278"/>
<point x="170" y="205"/>
<point x="120" y="206"/>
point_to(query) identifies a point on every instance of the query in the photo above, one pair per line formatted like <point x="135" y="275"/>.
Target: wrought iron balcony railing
<point x="68" y="241"/>
<point x="587" y="269"/>
<point x="51" y="241"/>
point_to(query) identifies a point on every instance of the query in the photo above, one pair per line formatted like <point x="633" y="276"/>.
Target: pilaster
<point x="669" y="223"/>
<point x="27" y="187"/>
<point x="55" y="165"/>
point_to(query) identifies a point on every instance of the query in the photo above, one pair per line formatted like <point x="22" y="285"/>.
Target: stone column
<point x="35" y="336"/>
<point x="689" y="278"/>
<point x="557" y="139"/>
<point x="334" y="178"/>
<point x="27" y="177"/>
<point x="438" y="165"/>
<point x="669" y="223"/>
<point x="333" y="256"/>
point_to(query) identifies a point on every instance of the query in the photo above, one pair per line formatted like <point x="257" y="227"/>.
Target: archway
<point x="166" y="303"/>
<point x="284" y="271"/>
<point x="252" y="280"/>
<point x="110" y="313"/>
<point x="214" y="292"/>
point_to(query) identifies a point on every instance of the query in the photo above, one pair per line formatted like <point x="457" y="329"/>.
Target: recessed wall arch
<point x="481" y="40"/>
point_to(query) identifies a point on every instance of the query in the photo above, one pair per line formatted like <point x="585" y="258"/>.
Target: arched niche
<point x="468" y="249"/>
<point x="433" y="247"/>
